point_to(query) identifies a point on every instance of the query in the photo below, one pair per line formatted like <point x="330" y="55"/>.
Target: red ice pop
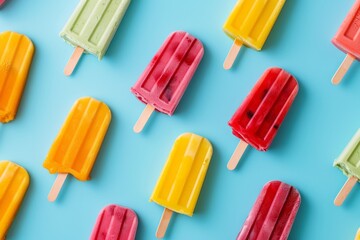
<point x="166" y="78"/>
<point x="259" y="117"/>
<point x="115" y="223"/>
<point x="347" y="39"/>
<point x="2" y="2"/>
<point x="273" y="214"/>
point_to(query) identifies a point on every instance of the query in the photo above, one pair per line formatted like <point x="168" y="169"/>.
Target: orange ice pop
<point x="76" y="147"/>
<point x="16" y="56"/>
<point x="14" y="181"/>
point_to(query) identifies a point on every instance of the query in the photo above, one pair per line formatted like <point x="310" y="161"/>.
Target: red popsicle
<point x="2" y="2"/>
<point x="259" y="117"/>
<point x="115" y="223"/>
<point x="273" y="214"/>
<point x="347" y="39"/>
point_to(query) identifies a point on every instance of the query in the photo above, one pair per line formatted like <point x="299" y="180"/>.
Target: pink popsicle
<point x="166" y="78"/>
<point x="2" y="2"/>
<point x="115" y="223"/>
<point x="273" y="214"/>
<point x="347" y="39"/>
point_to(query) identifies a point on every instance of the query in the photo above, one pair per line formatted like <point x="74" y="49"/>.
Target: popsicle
<point x="349" y="163"/>
<point x="259" y="117"/>
<point x="358" y="235"/>
<point x="14" y="182"/>
<point x="347" y="39"/>
<point x="250" y="24"/>
<point x="2" y="2"/>
<point x="166" y="78"/>
<point x="179" y="185"/>
<point x="273" y="214"/>
<point x="115" y="223"/>
<point x="15" y="60"/>
<point x="75" y="149"/>
<point x="91" y="28"/>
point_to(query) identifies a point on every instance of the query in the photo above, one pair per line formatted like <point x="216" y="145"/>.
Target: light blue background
<point x="319" y="125"/>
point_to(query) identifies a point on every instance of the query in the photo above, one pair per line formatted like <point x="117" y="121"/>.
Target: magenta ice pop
<point x="169" y="73"/>
<point x="115" y="223"/>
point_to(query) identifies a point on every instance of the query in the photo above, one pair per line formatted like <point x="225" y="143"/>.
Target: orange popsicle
<point x="15" y="59"/>
<point x="14" y="181"/>
<point x="76" y="147"/>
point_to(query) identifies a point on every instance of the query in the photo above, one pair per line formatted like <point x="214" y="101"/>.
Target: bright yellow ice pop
<point x="357" y="237"/>
<point x="76" y="147"/>
<point x="249" y="24"/>
<point x="180" y="183"/>
<point x="14" y="181"/>
<point x="16" y="53"/>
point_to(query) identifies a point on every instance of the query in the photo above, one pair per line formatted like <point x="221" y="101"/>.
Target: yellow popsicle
<point x="358" y="235"/>
<point x="250" y="23"/>
<point x="180" y="183"/>
<point x="14" y="181"/>
<point x="76" y="147"/>
<point x="15" y="59"/>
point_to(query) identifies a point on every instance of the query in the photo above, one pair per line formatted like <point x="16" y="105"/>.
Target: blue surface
<point x="319" y="125"/>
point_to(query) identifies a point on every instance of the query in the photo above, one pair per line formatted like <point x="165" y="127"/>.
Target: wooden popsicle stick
<point x="73" y="61"/>
<point x="235" y="158"/>
<point x="345" y="190"/>
<point x="56" y="187"/>
<point x="344" y="67"/>
<point x="164" y="223"/>
<point x="143" y="119"/>
<point x="231" y="57"/>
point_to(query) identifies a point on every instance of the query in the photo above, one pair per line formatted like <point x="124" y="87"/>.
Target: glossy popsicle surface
<point x="273" y="214"/>
<point x="252" y="20"/>
<point x="181" y="180"/>
<point x="115" y="223"/>
<point x="166" y="78"/>
<point x="93" y="24"/>
<point x="14" y="182"/>
<point x="76" y="147"/>
<point x="261" y="114"/>
<point x="15" y="60"/>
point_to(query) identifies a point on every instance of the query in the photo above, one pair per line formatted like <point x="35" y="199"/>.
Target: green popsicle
<point x="349" y="163"/>
<point x="92" y="26"/>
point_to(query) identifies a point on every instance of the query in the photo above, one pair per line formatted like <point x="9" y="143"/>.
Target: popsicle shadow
<point x="103" y="160"/>
<point x="196" y="83"/>
<point x="291" y="121"/>
<point x="19" y="219"/>
<point x="116" y="46"/>
<point x="353" y="198"/>
<point x="303" y="216"/>
<point x="282" y="24"/>
<point x="207" y="192"/>
<point x="351" y="77"/>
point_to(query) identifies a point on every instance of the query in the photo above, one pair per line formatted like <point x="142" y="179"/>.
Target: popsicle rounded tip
<point x="337" y="203"/>
<point x="227" y="66"/>
<point x="137" y="129"/>
<point x="231" y="166"/>
<point x="52" y="198"/>
<point x="159" y="235"/>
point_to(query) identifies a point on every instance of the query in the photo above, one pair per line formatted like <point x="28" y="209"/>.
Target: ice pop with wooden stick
<point x="92" y="27"/>
<point x="75" y="149"/>
<point x="349" y="163"/>
<point x="181" y="180"/>
<point x="169" y="73"/>
<point x="250" y="24"/>
<point x="347" y="39"/>
<point x="259" y="117"/>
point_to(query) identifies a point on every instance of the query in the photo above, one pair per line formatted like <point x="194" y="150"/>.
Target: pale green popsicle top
<point x="93" y="24"/>
<point x="349" y="160"/>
